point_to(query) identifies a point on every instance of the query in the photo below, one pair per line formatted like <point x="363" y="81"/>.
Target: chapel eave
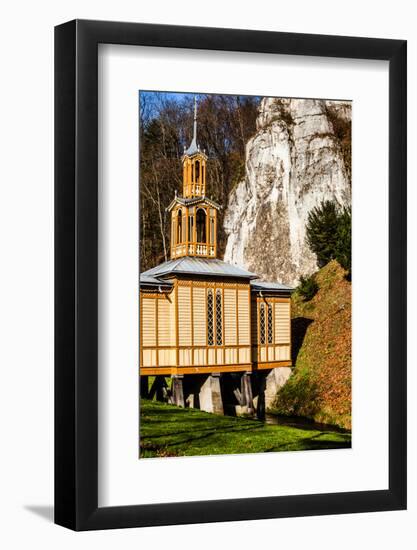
<point x="192" y="202"/>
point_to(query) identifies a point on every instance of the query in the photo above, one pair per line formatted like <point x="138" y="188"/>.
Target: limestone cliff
<point x="296" y="159"/>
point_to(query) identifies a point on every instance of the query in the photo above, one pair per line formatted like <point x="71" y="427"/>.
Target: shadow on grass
<point x="223" y="427"/>
<point x="313" y="443"/>
<point x="198" y="437"/>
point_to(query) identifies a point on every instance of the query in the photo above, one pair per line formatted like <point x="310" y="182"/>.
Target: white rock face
<point x="293" y="162"/>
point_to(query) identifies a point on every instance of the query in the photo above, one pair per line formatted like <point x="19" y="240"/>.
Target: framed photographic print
<point x="230" y="275"/>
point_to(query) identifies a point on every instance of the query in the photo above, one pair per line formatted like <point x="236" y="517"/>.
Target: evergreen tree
<point x="343" y="252"/>
<point x="329" y="234"/>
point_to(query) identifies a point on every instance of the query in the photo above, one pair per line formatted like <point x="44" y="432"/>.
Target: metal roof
<point x="153" y="281"/>
<point x="204" y="266"/>
<point x="194" y="147"/>
<point x="198" y="266"/>
<point x="258" y="286"/>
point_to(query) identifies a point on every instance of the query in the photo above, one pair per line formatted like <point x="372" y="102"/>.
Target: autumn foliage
<point x="320" y="387"/>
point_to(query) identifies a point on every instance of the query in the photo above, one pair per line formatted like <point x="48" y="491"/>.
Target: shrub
<point x="307" y="288"/>
<point x="329" y="234"/>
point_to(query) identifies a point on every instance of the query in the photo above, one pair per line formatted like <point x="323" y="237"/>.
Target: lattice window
<point x="210" y="329"/>
<point x="219" y="318"/>
<point x="262" y="323"/>
<point x="270" y="325"/>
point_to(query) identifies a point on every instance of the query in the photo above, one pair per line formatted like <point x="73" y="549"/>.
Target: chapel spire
<point x="193" y="215"/>
<point x="194" y="165"/>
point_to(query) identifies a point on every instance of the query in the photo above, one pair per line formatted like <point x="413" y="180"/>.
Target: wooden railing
<point x="194" y="249"/>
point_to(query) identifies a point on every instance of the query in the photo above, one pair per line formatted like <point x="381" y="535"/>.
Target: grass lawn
<point x="167" y="430"/>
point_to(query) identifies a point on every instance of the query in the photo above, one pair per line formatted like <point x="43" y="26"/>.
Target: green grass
<point x="167" y="430"/>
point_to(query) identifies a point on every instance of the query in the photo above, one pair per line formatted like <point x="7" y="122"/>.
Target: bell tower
<point x="193" y="215"/>
<point x="194" y="166"/>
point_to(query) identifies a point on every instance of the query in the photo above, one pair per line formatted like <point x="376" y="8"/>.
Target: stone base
<point x="246" y="399"/>
<point x="210" y="396"/>
<point x="243" y="393"/>
<point x="177" y="391"/>
<point x="274" y="380"/>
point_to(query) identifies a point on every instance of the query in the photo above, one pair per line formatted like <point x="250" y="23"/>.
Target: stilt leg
<point x="246" y="392"/>
<point x="275" y="379"/>
<point x="210" y="395"/>
<point x="159" y="389"/>
<point x="178" y="391"/>
<point x="260" y="391"/>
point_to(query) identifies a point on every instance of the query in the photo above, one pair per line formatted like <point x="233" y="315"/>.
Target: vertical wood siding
<point x="230" y="310"/>
<point x="282" y="322"/>
<point x="149" y="322"/>
<point x="199" y="316"/>
<point x="174" y="327"/>
<point x="244" y="316"/>
<point x="164" y="322"/>
<point x="184" y="316"/>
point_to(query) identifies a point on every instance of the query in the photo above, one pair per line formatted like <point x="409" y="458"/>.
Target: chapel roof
<point x="191" y="201"/>
<point x="274" y="288"/>
<point x="189" y="265"/>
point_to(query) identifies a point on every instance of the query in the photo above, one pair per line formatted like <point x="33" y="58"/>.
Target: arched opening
<point x="212" y="231"/>
<point x="179" y="226"/>
<point x="190" y="228"/>
<point x="201" y="226"/>
<point x="197" y="171"/>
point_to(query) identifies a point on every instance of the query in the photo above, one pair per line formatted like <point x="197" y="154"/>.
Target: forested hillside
<point x="320" y="386"/>
<point x="225" y="124"/>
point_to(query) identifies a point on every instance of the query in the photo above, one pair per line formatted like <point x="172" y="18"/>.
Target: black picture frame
<point x="76" y="272"/>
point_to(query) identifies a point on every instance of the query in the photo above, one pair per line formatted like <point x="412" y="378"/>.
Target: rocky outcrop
<point x="293" y="162"/>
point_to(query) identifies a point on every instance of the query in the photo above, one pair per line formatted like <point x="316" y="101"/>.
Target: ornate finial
<point x="195" y="120"/>
<point x="193" y="148"/>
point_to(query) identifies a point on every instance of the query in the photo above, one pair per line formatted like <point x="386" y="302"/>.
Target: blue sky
<point x="179" y="97"/>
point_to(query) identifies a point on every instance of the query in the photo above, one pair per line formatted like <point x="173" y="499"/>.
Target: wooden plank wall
<point x="280" y="349"/>
<point x="174" y="329"/>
